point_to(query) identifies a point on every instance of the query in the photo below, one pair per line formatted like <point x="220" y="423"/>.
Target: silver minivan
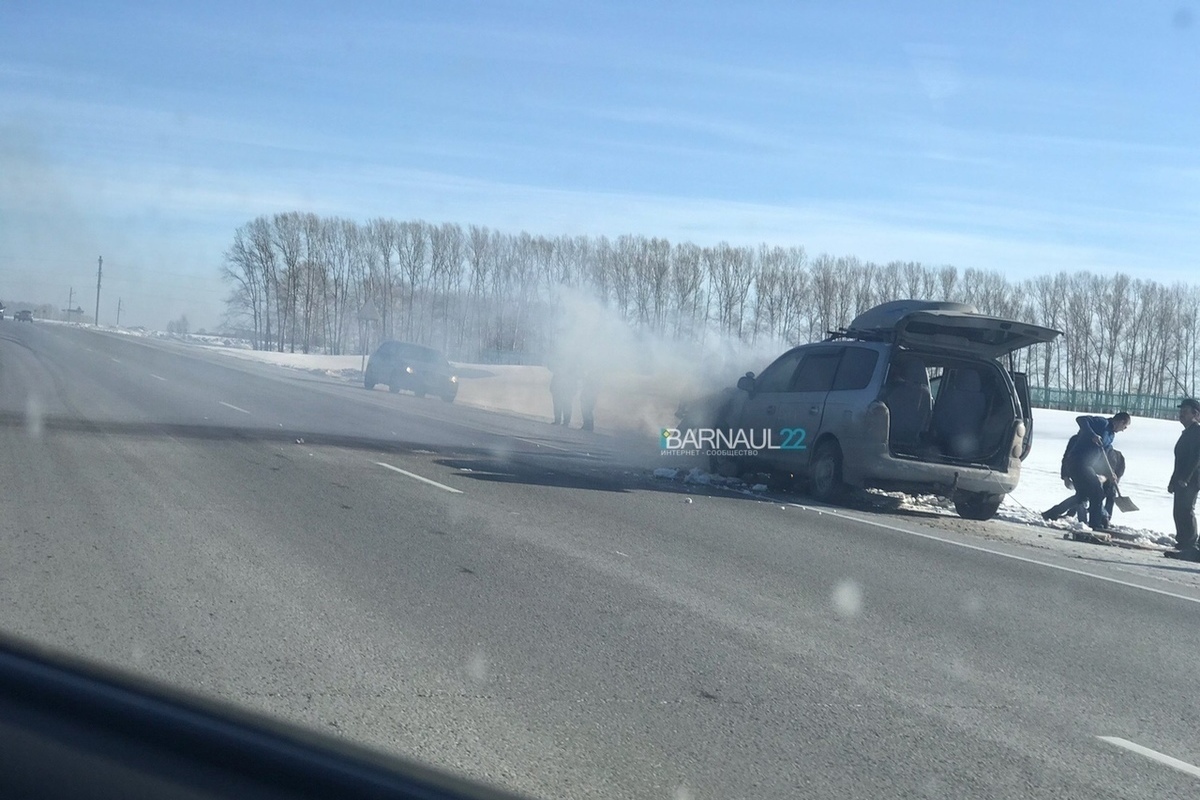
<point x="915" y="396"/>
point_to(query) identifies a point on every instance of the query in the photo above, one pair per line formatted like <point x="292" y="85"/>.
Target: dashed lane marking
<point x="420" y="478"/>
<point x="1153" y="755"/>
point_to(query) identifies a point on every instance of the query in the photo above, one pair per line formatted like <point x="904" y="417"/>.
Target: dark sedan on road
<point x="413" y="367"/>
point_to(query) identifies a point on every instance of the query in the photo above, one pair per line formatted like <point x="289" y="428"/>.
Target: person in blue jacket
<point x="1086" y="461"/>
<point x="1077" y="504"/>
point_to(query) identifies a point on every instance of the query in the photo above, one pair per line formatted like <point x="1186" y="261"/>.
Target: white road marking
<point x="419" y="478"/>
<point x="543" y="444"/>
<point x="157" y="377"/>
<point x="618" y="552"/>
<point x="1025" y="559"/>
<point x="1153" y="755"/>
<point x="231" y="405"/>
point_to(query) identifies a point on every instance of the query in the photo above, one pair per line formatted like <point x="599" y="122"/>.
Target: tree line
<point x="302" y="282"/>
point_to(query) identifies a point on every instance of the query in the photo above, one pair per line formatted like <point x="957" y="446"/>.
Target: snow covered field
<point x="1148" y="447"/>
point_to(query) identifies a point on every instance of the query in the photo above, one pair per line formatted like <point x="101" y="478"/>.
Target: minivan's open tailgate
<point x="966" y="333"/>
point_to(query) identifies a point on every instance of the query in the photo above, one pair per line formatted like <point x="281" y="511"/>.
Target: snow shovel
<point x="1122" y="502"/>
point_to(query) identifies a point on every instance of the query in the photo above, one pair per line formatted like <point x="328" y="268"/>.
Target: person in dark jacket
<point x="1077" y="504"/>
<point x="1185" y="482"/>
<point x="589" y="392"/>
<point x="564" y="384"/>
<point x="1085" y="461"/>
<point x="1076" y="500"/>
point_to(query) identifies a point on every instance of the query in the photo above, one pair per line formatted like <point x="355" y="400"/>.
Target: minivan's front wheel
<point x="726" y="466"/>
<point x="977" y="505"/>
<point x="825" y="476"/>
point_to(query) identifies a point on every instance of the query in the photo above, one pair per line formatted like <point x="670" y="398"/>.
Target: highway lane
<point x="556" y="623"/>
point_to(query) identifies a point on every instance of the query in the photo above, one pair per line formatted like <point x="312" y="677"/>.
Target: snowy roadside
<point x="630" y="402"/>
<point x="644" y="404"/>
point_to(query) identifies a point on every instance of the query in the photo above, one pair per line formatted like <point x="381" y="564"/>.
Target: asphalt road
<point x="530" y="607"/>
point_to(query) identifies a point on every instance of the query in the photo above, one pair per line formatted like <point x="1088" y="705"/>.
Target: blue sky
<point x="1020" y="136"/>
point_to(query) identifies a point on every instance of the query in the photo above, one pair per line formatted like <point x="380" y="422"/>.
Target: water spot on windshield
<point x="972" y="605"/>
<point x="34" y="416"/>
<point x="847" y="599"/>
<point x="477" y="668"/>
<point x="958" y="669"/>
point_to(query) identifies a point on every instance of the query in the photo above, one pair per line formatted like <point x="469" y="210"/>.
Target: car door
<point x="1021" y="383"/>
<point x="760" y="409"/>
<point x="800" y="410"/>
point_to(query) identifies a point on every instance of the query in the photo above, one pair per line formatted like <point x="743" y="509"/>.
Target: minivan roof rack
<point x="862" y="334"/>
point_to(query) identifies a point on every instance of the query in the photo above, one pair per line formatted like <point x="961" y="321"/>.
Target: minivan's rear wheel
<point x="977" y="505"/>
<point x="825" y="475"/>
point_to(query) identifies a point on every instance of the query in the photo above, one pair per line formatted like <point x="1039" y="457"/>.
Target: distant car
<point x="413" y="367"/>
<point x="24" y="316"/>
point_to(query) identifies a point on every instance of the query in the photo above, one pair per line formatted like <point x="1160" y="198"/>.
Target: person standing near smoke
<point x="563" y="385"/>
<point x="589" y="391"/>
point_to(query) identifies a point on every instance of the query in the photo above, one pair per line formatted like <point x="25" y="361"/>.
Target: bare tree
<point x="413" y="265"/>
<point x="243" y="268"/>
<point x="947" y="277"/>
<point x="687" y="287"/>
<point x="731" y="271"/>
<point x="288" y="238"/>
<point x="825" y="287"/>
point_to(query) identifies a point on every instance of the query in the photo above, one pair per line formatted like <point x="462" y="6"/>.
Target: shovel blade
<point x="1125" y="504"/>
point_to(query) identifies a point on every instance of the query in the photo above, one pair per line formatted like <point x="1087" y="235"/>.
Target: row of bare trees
<point x="303" y="282"/>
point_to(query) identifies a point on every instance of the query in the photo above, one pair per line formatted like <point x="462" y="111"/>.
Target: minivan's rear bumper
<point x="875" y="467"/>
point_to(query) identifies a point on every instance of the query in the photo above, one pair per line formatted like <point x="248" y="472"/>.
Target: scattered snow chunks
<point x="666" y="473"/>
<point x="758" y="487"/>
<point x="847" y="599"/>
<point x="699" y="476"/>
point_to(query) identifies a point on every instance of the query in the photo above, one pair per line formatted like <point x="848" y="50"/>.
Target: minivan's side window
<point x="816" y="372"/>
<point x="857" y="369"/>
<point x="778" y="376"/>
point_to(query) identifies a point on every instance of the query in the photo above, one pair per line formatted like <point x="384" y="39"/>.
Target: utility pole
<point x="70" y="300"/>
<point x="99" y="264"/>
<point x="118" y="312"/>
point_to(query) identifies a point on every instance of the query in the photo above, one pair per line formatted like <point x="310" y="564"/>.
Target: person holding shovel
<point x="1077" y="504"/>
<point x="1185" y="482"/>
<point x="1086" y="462"/>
